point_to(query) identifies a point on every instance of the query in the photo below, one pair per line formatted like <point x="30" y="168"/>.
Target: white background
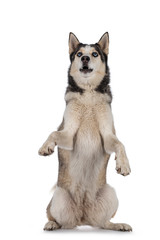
<point x="33" y="77"/>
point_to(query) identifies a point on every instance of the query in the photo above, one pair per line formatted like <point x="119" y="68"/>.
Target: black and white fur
<point x="85" y="140"/>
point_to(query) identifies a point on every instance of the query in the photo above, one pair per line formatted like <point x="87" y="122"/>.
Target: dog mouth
<point x="85" y="69"/>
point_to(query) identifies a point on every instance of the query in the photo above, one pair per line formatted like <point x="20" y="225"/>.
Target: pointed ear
<point x="73" y="42"/>
<point x="104" y="43"/>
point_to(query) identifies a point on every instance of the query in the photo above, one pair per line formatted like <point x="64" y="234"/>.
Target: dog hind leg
<point x="51" y="225"/>
<point x="108" y="202"/>
<point x="61" y="211"/>
<point x="104" y="208"/>
<point x="117" y="226"/>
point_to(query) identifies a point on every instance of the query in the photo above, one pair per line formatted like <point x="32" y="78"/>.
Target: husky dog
<point x="85" y="140"/>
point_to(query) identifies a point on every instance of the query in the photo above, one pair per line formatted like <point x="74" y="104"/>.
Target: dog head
<point x="88" y="61"/>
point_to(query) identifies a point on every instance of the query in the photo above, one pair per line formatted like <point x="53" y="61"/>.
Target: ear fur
<point x="73" y="42"/>
<point x="104" y="43"/>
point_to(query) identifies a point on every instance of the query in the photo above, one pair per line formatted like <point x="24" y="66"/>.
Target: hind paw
<point x="118" y="227"/>
<point x="123" y="227"/>
<point x="50" y="226"/>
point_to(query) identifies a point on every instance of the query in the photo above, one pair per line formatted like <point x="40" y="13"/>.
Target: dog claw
<point x="46" y="149"/>
<point x="124" y="170"/>
<point x="50" y="226"/>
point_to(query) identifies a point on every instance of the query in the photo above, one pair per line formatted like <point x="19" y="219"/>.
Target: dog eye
<point x="95" y="54"/>
<point x="79" y="54"/>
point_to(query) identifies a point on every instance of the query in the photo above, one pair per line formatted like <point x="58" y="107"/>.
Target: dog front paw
<point x="47" y="148"/>
<point x="123" y="168"/>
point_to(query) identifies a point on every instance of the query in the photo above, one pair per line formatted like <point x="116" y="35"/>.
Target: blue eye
<point x="95" y="54"/>
<point x="79" y="54"/>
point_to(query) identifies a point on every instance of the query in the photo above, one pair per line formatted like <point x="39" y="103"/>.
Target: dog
<point x="85" y="139"/>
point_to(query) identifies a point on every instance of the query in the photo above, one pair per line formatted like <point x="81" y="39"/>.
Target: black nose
<point x="85" y="59"/>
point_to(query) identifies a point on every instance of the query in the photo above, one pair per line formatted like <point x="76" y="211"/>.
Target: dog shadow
<point x="85" y="230"/>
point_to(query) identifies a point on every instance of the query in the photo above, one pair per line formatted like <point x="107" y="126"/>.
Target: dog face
<point x="88" y="62"/>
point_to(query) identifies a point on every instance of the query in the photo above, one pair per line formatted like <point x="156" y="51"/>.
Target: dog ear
<point x="104" y="43"/>
<point x="73" y="42"/>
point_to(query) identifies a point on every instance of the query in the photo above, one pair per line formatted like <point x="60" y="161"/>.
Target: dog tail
<point x="53" y="188"/>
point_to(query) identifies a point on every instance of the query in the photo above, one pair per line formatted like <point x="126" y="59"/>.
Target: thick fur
<point x="85" y="139"/>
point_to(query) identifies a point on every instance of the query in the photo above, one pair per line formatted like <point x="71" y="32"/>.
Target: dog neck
<point x="103" y="87"/>
<point x="89" y="94"/>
